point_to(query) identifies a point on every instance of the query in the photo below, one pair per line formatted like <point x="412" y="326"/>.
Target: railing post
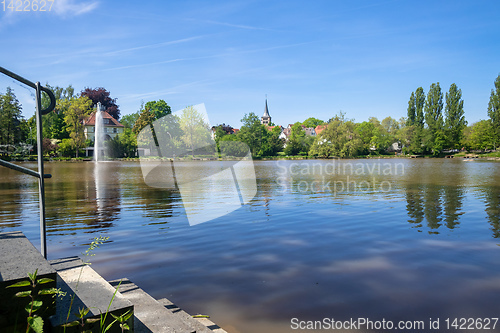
<point x="41" y="181"/>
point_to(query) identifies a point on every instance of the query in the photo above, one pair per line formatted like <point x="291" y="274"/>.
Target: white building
<point x="111" y="126"/>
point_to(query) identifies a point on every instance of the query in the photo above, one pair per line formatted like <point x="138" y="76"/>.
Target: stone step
<point x="18" y="258"/>
<point x="208" y="325"/>
<point x="151" y="316"/>
<point x="86" y="289"/>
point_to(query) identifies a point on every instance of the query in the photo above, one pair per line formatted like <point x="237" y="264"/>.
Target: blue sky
<point x="312" y="58"/>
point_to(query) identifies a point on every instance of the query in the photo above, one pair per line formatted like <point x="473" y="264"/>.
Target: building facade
<point x="111" y="126"/>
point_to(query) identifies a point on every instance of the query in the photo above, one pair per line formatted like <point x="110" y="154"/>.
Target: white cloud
<point x="73" y="8"/>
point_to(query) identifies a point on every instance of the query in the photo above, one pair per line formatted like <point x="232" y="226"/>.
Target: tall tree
<point x="411" y="112"/>
<point x="273" y="144"/>
<point x="434" y="119"/>
<point x="479" y="136"/>
<point x="338" y="139"/>
<point x="10" y="118"/>
<point x="419" y="107"/>
<point x="365" y="131"/>
<point x="494" y="112"/>
<point x="102" y="95"/>
<point x="390" y="125"/>
<point x="455" y="120"/>
<point x="253" y="133"/>
<point x="312" y="122"/>
<point x="195" y="130"/>
<point x="414" y="131"/>
<point x="76" y="110"/>
<point x="296" y="141"/>
<point x="158" y="108"/>
<point x="129" y="120"/>
<point x="53" y="123"/>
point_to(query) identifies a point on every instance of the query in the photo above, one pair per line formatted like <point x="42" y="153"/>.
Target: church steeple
<point x="266" y="118"/>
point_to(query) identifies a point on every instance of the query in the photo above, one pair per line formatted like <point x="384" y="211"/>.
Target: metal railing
<point x="39" y="139"/>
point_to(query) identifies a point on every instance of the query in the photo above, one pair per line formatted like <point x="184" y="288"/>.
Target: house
<point x="111" y="126"/>
<point x="285" y="134"/>
<point x="310" y="131"/>
<point x="320" y="128"/>
<point x="273" y="127"/>
<point x="226" y="128"/>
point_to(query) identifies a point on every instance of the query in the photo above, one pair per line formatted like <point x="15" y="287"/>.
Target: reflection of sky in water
<point x="424" y="249"/>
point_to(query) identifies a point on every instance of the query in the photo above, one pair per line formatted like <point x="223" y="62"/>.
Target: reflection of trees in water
<point x="432" y="207"/>
<point x="18" y="198"/>
<point x="87" y="199"/>
<point x="453" y="197"/>
<point x="156" y="203"/>
<point x="435" y="203"/>
<point x="492" y="197"/>
<point x="415" y="205"/>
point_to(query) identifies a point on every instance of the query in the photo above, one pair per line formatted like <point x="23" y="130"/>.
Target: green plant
<point x="34" y="320"/>
<point x="83" y="322"/>
<point x="122" y="320"/>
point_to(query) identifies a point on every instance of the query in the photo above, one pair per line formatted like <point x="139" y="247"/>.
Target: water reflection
<point x="492" y="198"/>
<point x="434" y="206"/>
<point x="290" y="253"/>
<point x="86" y="196"/>
<point x="106" y="194"/>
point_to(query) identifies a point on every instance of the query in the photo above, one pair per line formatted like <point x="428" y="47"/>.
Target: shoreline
<point x="267" y="158"/>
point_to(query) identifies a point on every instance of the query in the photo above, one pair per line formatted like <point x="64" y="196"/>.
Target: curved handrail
<point x="33" y="85"/>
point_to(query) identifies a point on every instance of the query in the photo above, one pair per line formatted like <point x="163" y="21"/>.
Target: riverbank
<point x="491" y="156"/>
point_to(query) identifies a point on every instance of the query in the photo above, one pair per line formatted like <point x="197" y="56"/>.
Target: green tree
<point x="411" y="112"/>
<point x="123" y="145"/>
<point x="195" y="130"/>
<point x="419" y="107"/>
<point x="253" y="133"/>
<point x="365" y="131"/>
<point x="158" y="108"/>
<point x="230" y="145"/>
<point x="390" y="125"/>
<point x="312" y="122"/>
<point x="494" y="112"/>
<point x="273" y="144"/>
<point x="479" y="136"/>
<point x="76" y="110"/>
<point x="129" y="120"/>
<point x="414" y="131"/>
<point x="10" y="118"/>
<point x="296" y="141"/>
<point x="53" y="123"/>
<point x="146" y="117"/>
<point x="338" y="139"/>
<point x="455" y="120"/>
<point x="435" y="139"/>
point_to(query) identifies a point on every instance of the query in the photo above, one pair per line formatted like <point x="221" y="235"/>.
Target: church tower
<point x="266" y="118"/>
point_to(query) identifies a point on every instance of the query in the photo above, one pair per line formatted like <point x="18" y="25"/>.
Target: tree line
<point x="434" y="123"/>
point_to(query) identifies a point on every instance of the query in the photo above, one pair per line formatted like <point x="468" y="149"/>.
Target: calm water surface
<point x="380" y="239"/>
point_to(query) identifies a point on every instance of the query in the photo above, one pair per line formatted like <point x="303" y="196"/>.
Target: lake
<point x="380" y="239"/>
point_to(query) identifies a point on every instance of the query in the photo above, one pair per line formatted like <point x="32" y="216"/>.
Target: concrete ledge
<point x="201" y="324"/>
<point x="150" y="315"/>
<point x="18" y="258"/>
<point x="89" y="290"/>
